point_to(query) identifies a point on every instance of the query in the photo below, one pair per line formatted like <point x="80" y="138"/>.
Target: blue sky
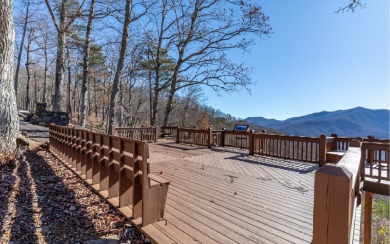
<point x="316" y="60"/>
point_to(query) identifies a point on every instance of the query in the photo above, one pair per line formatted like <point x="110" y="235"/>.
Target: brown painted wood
<point x="96" y="147"/>
<point x="89" y="156"/>
<point x="376" y="187"/>
<point x="335" y="189"/>
<point x="115" y="164"/>
<point x="147" y="134"/>
<point x="367" y="217"/>
<point x="236" y="196"/>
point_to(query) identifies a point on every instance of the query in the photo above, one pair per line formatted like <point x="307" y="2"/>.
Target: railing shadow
<point x="35" y="131"/>
<point x="47" y="209"/>
<point x="268" y="161"/>
<point x="184" y="147"/>
<point x="7" y="187"/>
<point x="278" y="163"/>
<point x="23" y="225"/>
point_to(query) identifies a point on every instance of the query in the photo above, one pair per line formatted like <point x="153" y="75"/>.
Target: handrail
<point x="147" y="134"/>
<point x="342" y="143"/>
<point x="336" y="194"/>
<point x="194" y="136"/>
<point x="238" y="139"/>
<point x="376" y="176"/>
<point x="376" y="165"/>
<point x="291" y="147"/>
<point x="168" y="131"/>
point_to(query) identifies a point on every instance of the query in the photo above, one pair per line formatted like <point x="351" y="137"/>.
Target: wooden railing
<point x="336" y="195"/>
<point x="341" y="143"/>
<point x="194" y="136"/>
<point x="288" y="147"/>
<point x="309" y="149"/>
<point x="376" y="173"/>
<point x="376" y="176"/>
<point x="238" y="139"/>
<point x="168" y="131"/>
<point x="335" y="143"/>
<point x="116" y="168"/>
<point x="218" y="138"/>
<point x="139" y="134"/>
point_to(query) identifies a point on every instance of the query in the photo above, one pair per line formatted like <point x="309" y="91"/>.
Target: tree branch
<point x="52" y="15"/>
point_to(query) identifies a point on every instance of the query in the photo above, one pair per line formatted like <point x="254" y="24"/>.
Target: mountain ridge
<point x="352" y="122"/>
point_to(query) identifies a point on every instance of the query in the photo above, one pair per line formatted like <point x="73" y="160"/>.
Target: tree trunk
<point x="118" y="72"/>
<point x="35" y="86"/>
<point x="45" y="74"/>
<point x="95" y="97"/>
<point x="120" y="104"/>
<point x="152" y="123"/>
<point x="104" y="101"/>
<point x="185" y="110"/>
<point x="60" y="71"/>
<point x="168" y="108"/>
<point x="27" y="105"/>
<point x="9" y="124"/>
<point x="172" y="90"/>
<point x="69" y="86"/>
<point x="21" y="49"/>
<point x="60" y="59"/>
<point x="62" y="29"/>
<point x="87" y="47"/>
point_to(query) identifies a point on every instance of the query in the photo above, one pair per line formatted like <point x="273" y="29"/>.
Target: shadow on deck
<point x="226" y="196"/>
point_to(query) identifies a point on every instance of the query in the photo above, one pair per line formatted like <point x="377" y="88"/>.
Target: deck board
<point x="225" y="196"/>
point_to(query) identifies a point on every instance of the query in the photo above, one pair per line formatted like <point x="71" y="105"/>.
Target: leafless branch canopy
<point x="352" y="6"/>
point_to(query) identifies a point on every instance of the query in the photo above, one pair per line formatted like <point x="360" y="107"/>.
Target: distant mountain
<point x="353" y="122"/>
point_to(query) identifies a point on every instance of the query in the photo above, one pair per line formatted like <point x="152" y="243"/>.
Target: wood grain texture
<point x="225" y="196"/>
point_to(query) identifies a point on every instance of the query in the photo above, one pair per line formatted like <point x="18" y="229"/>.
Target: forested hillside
<point x="350" y="123"/>
<point x="132" y="62"/>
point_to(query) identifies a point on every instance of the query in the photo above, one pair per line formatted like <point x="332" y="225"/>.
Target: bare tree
<point x="87" y="47"/>
<point x="9" y="124"/>
<point x="129" y="17"/>
<point x="26" y="20"/>
<point x="44" y="41"/>
<point x="28" y="63"/>
<point x="62" y="26"/>
<point x="118" y="72"/>
<point x="352" y="6"/>
<point x="202" y="32"/>
<point x="157" y="55"/>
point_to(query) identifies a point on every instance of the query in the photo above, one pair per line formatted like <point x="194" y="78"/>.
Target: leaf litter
<point x="43" y="201"/>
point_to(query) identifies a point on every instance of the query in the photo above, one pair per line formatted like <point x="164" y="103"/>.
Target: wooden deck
<point x="225" y="196"/>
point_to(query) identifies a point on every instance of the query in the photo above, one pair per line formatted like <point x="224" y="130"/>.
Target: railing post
<point x="332" y="190"/>
<point x="322" y="145"/>
<point x="367" y="217"/>
<point x="370" y="157"/>
<point x="263" y="143"/>
<point x="223" y="137"/>
<point x="335" y="191"/>
<point x="334" y="144"/>
<point x="178" y="135"/>
<point x="113" y="130"/>
<point x="210" y="136"/>
<point x="251" y="143"/>
<point x="156" y="132"/>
